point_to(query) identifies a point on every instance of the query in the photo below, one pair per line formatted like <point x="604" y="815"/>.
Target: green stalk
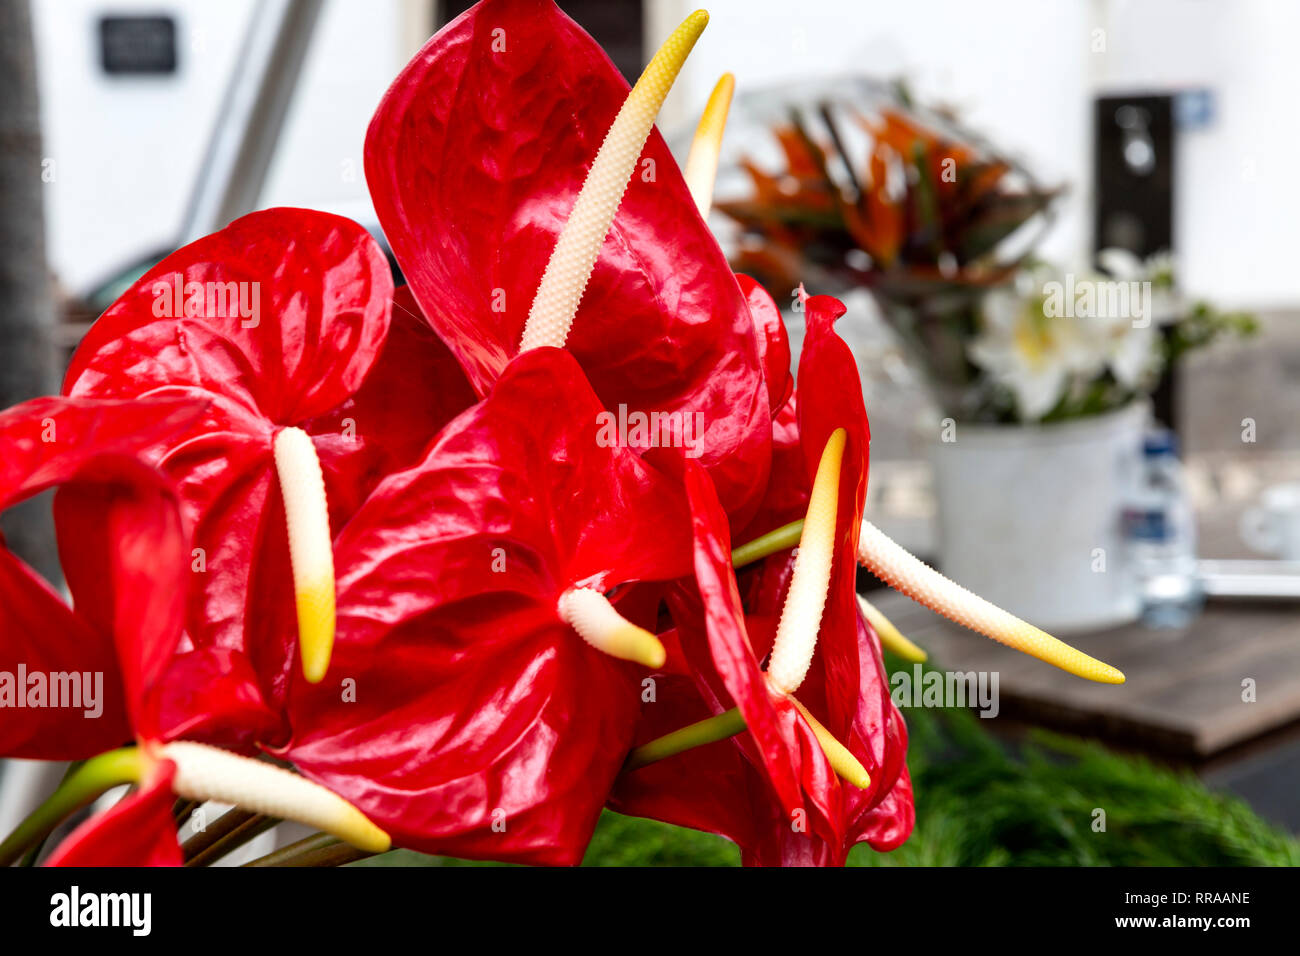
<point x="254" y="826"/>
<point x="786" y="536"/>
<point x="93" y="778"/>
<point x="296" y="853"/>
<point x="182" y="809"/>
<point x="707" y="731"/>
<point x="318" y="850"/>
<point x="34" y="854"/>
<point x="203" y="840"/>
<point x="728" y="724"/>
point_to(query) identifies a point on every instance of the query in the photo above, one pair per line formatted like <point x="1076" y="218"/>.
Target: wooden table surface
<point x="1183" y="695"/>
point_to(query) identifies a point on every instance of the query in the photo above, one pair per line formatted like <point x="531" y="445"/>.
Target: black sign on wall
<point x="1134" y="174"/>
<point x="137" y="46"/>
<point x="1134" y="192"/>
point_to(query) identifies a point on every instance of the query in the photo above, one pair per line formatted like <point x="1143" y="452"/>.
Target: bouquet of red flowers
<point x="453" y="566"/>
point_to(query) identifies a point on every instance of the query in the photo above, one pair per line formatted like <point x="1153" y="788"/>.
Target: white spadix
<point x="589" y="613"/>
<point x="905" y="573"/>
<point x="207" y="773"/>
<point x="574" y="256"/>
<point x="801" y="617"/>
<point x="311" y="551"/>
<point x="701" y="170"/>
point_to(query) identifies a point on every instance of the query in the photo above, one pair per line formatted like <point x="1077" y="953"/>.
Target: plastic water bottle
<point x="1161" y="532"/>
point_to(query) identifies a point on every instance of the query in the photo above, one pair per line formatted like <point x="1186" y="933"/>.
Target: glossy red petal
<point x="137" y="831"/>
<point x="48" y="441"/>
<point x="413" y="390"/>
<point x="39" y="634"/>
<point x="471" y="719"/>
<point x="878" y="738"/>
<point x="847" y="688"/>
<point x="225" y="474"/>
<point x="888" y="824"/>
<point x="830" y="397"/>
<point x="213" y="695"/>
<point x="474" y="159"/>
<point x="720" y="612"/>
<point x="310" y="358"/>
<point x="127" y="563"/>
<point x="284" y="311"/>
<point x="322" y="290"/>
<point x="88" y="448"/>
<point x="776" y="765"/>
<point x="785" y="499"/>
<point x="773" y="342"/>
<point x="787" y="846"/>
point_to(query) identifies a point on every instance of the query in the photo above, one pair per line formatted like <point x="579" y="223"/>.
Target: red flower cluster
<point x="775" y="791"/>
<point x="266" y="453"/>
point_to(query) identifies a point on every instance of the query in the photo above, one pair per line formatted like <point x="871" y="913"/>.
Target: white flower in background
<point x="1130" y="348"/>
<point x="1127" y="348"/>
<point x="1160" y="269"/>
<point x="1121" y="264"/>
<point x="1032" y="354"/>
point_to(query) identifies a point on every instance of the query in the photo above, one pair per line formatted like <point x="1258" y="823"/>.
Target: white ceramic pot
<point x="1029" y="516"/>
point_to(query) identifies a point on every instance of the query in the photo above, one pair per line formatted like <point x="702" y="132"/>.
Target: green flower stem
<point x="31" y="856"/>
<point x="34" y="854"/>
<point x="707" y="731"/>
<point x="786" y="536"/>
<point x="242" y="827"/>
<point x="318" y="850"/>
<point x="295" y="854"/>
<point x="182" y="809"/>
<point x="727" y="724"/>
<point x="93" y="778"/>
<point x="200" y="841"/>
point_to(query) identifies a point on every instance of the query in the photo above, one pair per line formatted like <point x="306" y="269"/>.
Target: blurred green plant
<point x="1204" y="324"/>
<point x="981" y="804"/>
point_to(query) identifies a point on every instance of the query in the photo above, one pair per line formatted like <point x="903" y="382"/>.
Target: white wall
<point x="126" y="150"/>
<point x="1237" y="210"/>
<point x="359" y="48"/>
<point x="977" y="56"/>
<point x="1023" y="71"/>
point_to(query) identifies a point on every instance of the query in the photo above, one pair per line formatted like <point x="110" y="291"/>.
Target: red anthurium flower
<point x="139" y="830"/>
<point x="773" y="342"/>
<point x="136" y="831"/>
<point x="474" y="159"/>
<point x="76" y="682"/>
<point x="784" y="799"/>
<point x="281" y="322"/>
<point x="482" y="711"/>
<point x="88" y="449"/>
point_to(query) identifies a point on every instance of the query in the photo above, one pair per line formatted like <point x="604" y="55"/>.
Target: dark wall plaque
<point x="1134" y="174"/>
<point x="134" y="46"/>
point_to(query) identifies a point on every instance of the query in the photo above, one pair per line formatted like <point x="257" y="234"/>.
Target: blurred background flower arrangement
<point x="871" y="191"/>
